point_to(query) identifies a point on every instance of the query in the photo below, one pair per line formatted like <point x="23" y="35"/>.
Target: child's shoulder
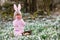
<point x="22" y="20"/>
<point x="14" y="21"/>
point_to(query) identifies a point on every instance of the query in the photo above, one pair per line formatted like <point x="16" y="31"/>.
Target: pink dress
<point x="18" y="26"/>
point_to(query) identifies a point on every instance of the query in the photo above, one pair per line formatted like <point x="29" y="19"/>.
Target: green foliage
<point x="0" y="7"/>
<point x="41" y="30"/>
<point x="46" y="6"/>
<point x="7" y="10"/>
<point x="39" y="12"/>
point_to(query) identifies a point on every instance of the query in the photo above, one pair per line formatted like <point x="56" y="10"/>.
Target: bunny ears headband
<point x="17" y="9"/>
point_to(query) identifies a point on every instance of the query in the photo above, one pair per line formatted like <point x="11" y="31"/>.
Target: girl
<point x="18" y="22"/>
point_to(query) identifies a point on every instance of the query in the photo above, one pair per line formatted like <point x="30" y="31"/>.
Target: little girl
<point x="18" y="22"/>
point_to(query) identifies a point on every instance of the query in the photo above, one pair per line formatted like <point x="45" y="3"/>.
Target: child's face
<point x="18" y="16"/>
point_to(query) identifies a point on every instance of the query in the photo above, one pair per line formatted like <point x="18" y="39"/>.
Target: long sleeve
<point x="23" y="23"/>
<point x="15" y="25"/>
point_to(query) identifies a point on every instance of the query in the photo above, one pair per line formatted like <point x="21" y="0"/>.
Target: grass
<point x="41" y="30"/>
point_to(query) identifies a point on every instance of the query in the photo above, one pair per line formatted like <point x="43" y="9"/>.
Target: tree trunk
<point x="33" y="7"/>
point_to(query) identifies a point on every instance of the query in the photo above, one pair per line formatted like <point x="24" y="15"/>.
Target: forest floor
<point x="47" y="28"/>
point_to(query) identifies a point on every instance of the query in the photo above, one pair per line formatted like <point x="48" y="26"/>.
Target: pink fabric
<point x="18" y="26"/>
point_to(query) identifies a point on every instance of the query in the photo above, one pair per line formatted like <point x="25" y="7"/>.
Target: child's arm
<point x="23" y="23"/>
<point x="14" y="24"/>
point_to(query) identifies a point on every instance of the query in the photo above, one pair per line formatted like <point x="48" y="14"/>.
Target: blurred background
<point x="41" y="16"/>
<point x="32" y="8"/>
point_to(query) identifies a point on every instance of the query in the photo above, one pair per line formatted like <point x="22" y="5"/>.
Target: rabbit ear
<point x="15" y="7"/>
<point x="19" y="7"/>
